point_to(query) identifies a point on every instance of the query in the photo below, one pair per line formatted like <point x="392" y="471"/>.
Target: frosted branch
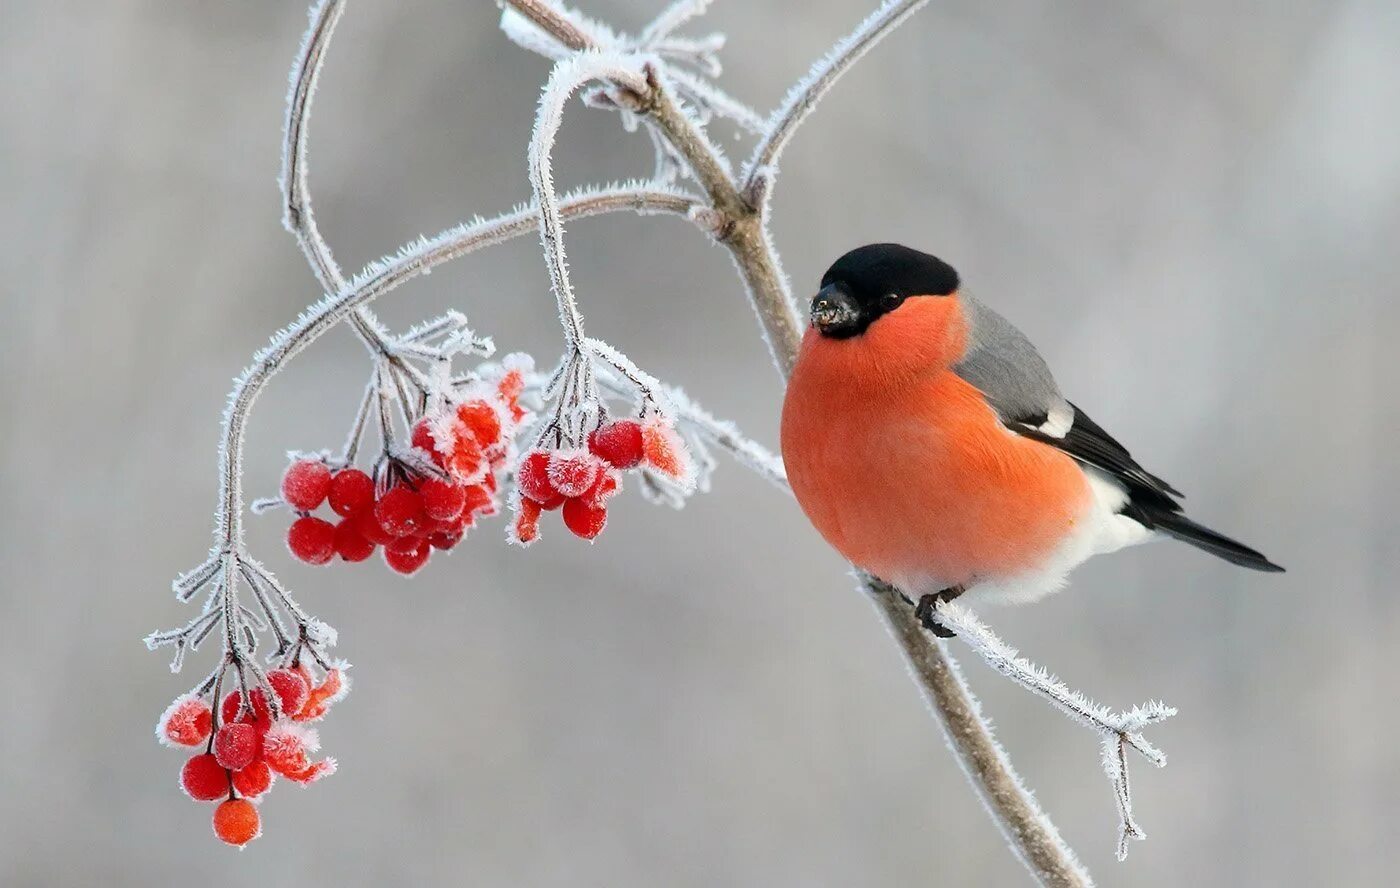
<point x="1118" y="730"/>
<point x="567" y="77"/>
<point x="802" y="99"/>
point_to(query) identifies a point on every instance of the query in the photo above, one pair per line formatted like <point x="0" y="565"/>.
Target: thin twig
<point x="803" y="98"/>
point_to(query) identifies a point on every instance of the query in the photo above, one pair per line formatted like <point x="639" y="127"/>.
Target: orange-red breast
<point x="926" y="439"/>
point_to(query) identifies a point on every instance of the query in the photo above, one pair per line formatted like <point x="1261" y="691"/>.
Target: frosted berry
<point x="526" y="528"/>
<point x="533" y="477"/>
<point x="442" y="501"/>
<point x="618" y="443"/>
<point x="253" y="781"/>
<point x="602" y="489"/>
<point x="350" y="542"/>
<point x="236" y="822"/>
<point x="408" y="561"/>
<point x="292" y="690"/>
<point x="332" y="688"/>
<point x="203" y="778"/>
<point x="258" y="714"/>
<point x="305" y="484"/>
<point x="351" y="493"/>
<point x="422" y="438"/>
<point x="236" y="745"/>
<point x="445" y="539"/>
<point x="399" y="511"/>
<point x="311" y="539"/>
<point x="481" y="420"/>
<point x="584" y="519"/>
<point x="186" y="723"/>
<point x="664" y="451"/>
<point x="572" y="474"/>
<point x="478" y="499"/>
<point x="466" y="459"/>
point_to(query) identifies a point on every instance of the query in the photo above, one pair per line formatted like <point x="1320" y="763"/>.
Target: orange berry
<point x="253" y="781"/>
<point x="664" y="450"/>
<point x="526" y="528"/>
<point x="236" y="821"/>
<point x="481" y="420"/>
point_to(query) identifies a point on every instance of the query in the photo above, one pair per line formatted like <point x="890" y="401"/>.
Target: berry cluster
<point x="250" y="743"/>
<point x="578" y="482"/>
<point x="420" y="501"/>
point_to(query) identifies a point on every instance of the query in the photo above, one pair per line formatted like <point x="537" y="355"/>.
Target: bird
<point x="928" y="442"/>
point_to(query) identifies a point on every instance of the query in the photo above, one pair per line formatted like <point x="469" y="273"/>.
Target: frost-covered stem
<point x="297" y="214"/>
<point x="566" y="78"/>
<point x="803" y="97"/>
<point x="1118" y="730"/>
<point x="1026" y="827"/>
<point x="375" y="282"/>
<point x="555" y="23"/>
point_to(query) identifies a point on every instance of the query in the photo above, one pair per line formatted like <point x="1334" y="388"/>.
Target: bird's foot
<point x="924" y="611"/>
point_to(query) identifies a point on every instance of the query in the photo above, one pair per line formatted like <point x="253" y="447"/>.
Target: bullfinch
<point x="927" y="441"/>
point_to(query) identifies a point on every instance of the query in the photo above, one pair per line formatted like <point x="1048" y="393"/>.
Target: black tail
<point x="1178" y="526"/>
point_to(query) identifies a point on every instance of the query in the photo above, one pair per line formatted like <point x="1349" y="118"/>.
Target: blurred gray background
<point x="1192" y="207"/>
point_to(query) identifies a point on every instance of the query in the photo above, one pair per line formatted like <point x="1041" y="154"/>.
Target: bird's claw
<point x="924" y="611"/>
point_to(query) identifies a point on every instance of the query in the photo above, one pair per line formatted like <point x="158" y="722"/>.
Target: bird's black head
<point x="872" y="281"/>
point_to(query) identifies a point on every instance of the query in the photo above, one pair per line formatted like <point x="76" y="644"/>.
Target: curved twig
<point x="803" y="97"/>
<point x="566" y="78"/>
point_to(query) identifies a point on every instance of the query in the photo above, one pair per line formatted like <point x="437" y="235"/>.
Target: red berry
<point x="618" y="443"/>
<point x="305" y="484"/>
<point x="533" y="477"/>
<point x="526" y="528"/>
<point x="408" y="561"/>
<point x="467" y="457"/>
<point x="399" y="511"/>
<point x="352" y="491"/>
<point x="603" y="489"/>
<point x="236" y="745"/>
<point x="445" y="540"/>
<point x="253" y="780"/>
<point x="584" y="519"/>
<point x="291" y="689"/>
<point x="203" y="778"/>
<point x="350" y="542"/>
<point x="664" y="451"/>
<point x="481" y="420"/>
<point x="573" y="473"/>
<point x="510" y="387"/>
<point x="442" y="500"/>
<point x="423" y="439"/>
<point x="478" y="499"/>
<point x="236" y="822"/>
<point x="258" y="716"/>
<point x="311" y="539"/>
<point x="186" y="722"/>
<point x="370" y="528"/>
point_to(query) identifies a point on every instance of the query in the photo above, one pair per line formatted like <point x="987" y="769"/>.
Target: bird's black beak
<point x="835" y="313"/>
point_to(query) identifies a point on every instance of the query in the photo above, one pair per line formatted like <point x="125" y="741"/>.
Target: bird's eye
<point x="890" y="301"/>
